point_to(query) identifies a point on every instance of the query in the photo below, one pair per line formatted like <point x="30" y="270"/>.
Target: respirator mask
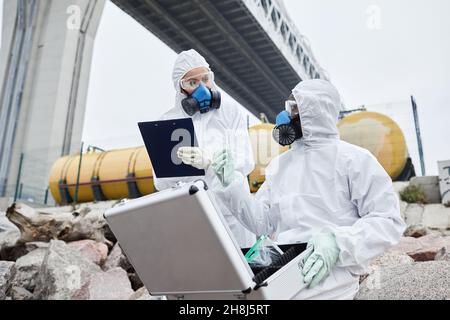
<point x="202" y="98"/>
<point x="288" y="128"/>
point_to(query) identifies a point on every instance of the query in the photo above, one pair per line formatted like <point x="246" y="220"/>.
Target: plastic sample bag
<point x="263" y="253"/>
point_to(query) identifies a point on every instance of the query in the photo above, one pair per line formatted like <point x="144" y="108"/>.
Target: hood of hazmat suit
<point x="324" y="184"/>
<point x="216" y="130"/>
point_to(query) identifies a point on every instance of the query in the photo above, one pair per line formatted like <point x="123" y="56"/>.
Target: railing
<point x="295" y="47"/>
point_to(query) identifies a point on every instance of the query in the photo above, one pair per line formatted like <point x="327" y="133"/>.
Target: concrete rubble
<point x="425" y="219"/>
<point x="110" y="285"/>
<point x="92" y="266"/>
<point x="5" y="276"/>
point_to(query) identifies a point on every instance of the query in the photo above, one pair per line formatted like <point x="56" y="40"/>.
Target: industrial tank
<point x="127" y="173"/>
<point x="370" y="130"/>
<point x="264" y="150"/>
<point x="64" y="175"/>
<point x="381" y="136"/>
<point x="114" y="174"/>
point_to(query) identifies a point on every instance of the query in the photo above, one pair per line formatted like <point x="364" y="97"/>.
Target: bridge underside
<point x="247" y="63"/>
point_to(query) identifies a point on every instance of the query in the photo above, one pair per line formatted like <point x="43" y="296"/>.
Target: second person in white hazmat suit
<point x="325" y="192"/>
<point x="215" y="130"/>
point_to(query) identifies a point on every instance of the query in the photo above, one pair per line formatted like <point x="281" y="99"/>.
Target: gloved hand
<point x="195" y="157"/>
<point x="223" y="167"/>
<point x="318" y="264"/>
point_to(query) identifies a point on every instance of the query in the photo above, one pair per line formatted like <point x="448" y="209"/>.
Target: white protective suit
<point x="215" y="131"/>
<point x="324" y="184"/>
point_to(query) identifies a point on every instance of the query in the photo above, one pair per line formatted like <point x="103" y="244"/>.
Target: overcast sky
<point x="130" y="81"/>
<point x="408" y="54"/>
<point x="377" y="51"/>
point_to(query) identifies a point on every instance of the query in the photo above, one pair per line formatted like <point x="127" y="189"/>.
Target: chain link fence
<point x="30" y="183"/>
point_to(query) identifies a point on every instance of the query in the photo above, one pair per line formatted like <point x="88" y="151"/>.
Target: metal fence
<point x="31" y="181"/>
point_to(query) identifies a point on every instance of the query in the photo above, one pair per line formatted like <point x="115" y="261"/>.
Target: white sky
<point x="130" y="76"/>
<point x="410" y="54"/>
<point x="130" y="81"/>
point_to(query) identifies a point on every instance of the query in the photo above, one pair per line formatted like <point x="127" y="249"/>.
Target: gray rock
<point x="443" y="255"/>
<point x="403" y="209"/>
<point x="410" y="244"/>
<point x="117" y="259"/>
<point x="388" y="259"/>
<point x="430" y="248"/>
<point x="417" y="281"/>
<point x="414" y="214"/>
<point x="96" y="252"/>
<point x="30" y="246"/>
<point x="18" y="293"/>
<point x="111" y="285"/>
<point x="26" y="269"/>
<point x="5" y="276"/>
<point x="95" y="214"/>
<point x="391" y="259"/>
<point x="136" y="282"/>
<point x="18" y="251"/>
<point x="422" y="249"/>
<point x="46" y="224"/>
<point x="64" y="271"/>
<point x="9" y="233"/>
<point x="142" y="294"/>
<point x="426" y="219"/>
<point x="97" y="206"/>
<point x="416" y="231"/>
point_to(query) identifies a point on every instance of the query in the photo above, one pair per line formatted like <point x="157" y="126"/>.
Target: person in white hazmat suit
<point x="325" y="192"/>
<point x="217" y="126"/>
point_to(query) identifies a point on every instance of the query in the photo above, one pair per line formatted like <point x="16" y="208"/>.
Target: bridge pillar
<point x="44" y="73"/>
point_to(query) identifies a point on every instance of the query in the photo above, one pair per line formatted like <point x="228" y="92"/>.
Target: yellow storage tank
<point x="142" y="169"/>
<point x="380" y="135"/>
<point x="57" y="177"/>
<point x="85" y="193"/>
<point x="128" y="173"/>
<point x="110" y="175"/>
<point x="265" y="149"/>
<point x="113" y="169"/>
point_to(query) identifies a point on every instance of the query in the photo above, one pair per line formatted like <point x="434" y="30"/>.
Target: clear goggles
<point x="192" y="83"/>
<point x="291" y="107"/>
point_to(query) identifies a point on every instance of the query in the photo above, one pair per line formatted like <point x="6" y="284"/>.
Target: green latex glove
<point x="318" y="264"/>
<point x="223" y="167"/>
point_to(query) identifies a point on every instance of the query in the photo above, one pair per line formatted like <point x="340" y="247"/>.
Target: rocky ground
<point x="91" y="267"/>
<point x="66" y="253"/>
<point x="419" y="266"/>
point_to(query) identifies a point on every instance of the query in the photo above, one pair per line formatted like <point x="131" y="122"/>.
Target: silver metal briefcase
<point x="181" y="247"/>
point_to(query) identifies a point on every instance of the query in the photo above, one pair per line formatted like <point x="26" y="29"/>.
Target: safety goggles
<point x="193" y="83"/>
<point x="291" y="107"/>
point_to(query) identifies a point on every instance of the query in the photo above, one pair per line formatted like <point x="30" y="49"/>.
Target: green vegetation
<point x="413" y="194"/>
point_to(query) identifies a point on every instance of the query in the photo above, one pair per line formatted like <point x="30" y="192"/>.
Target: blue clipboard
<point x="163" y="139"/>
